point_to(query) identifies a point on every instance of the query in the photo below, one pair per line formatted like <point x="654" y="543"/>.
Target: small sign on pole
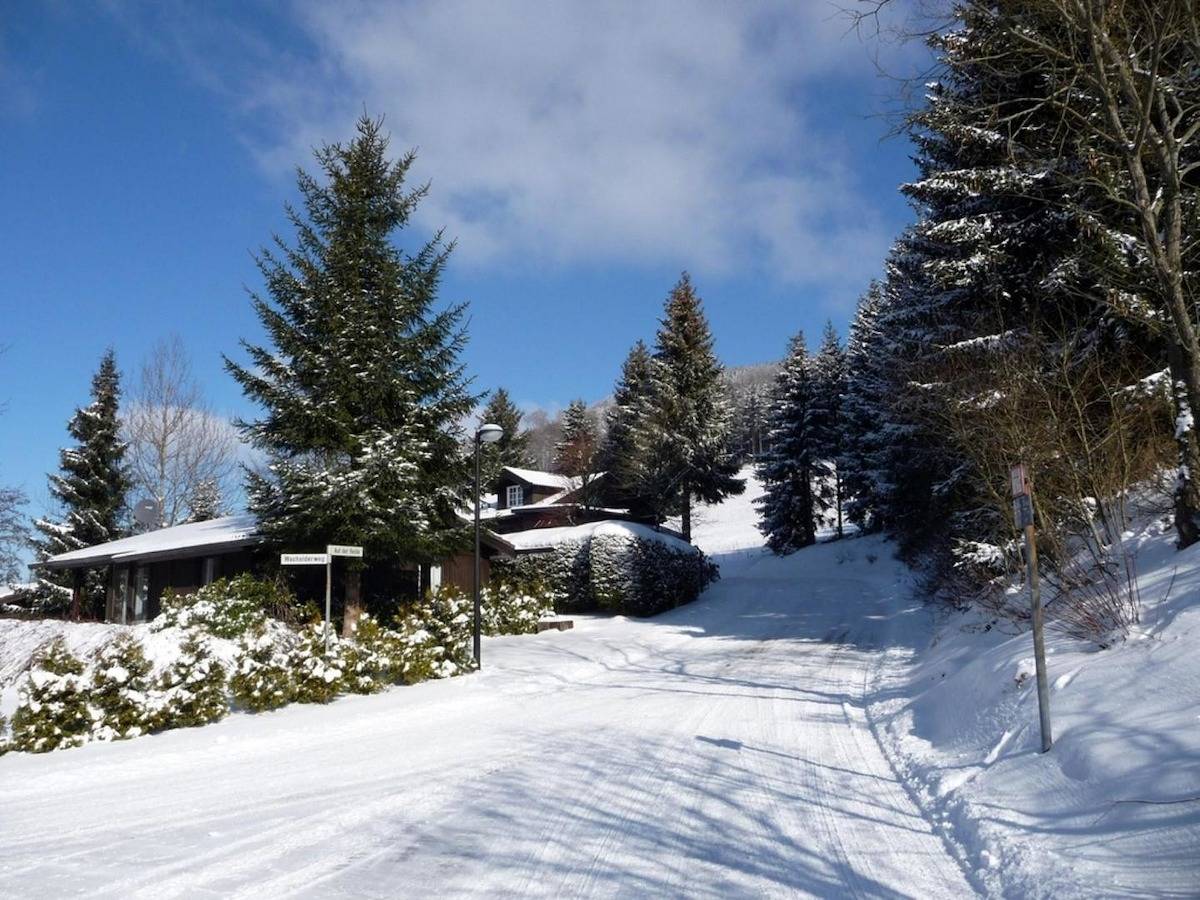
<point x="344" y="550"/>
<point x="303" y="559"/>
<point x="1023" y="514"/>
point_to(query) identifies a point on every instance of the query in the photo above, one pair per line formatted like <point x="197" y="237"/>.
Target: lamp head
<point x="489" y="434"/>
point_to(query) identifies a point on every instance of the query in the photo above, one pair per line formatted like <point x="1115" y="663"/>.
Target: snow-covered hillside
<point x="805" y="728"/>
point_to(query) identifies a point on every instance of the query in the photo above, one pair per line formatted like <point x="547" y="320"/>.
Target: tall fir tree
<point x="91" y="487"/>
<point x="684" y="444"/>
<point x="825" y="418"/>
<point x="362" y="390"/>
<point x="575" y="452"/>
<point x="205" y="502"/>
<point x="618" y="452"/>
<point x="795" y="469"/>
<point x="858" y="463"/>
<point x="1000" y="255"/>
<point x="513" y="447"/>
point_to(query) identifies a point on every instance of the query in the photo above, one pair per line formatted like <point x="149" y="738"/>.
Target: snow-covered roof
<point x="546" y="538"/>
<point x="226" y="533"/>
<point x="543" y="479"/>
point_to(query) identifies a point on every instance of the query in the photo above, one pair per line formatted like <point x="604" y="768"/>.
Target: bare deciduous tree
<point x="176" y="443"/>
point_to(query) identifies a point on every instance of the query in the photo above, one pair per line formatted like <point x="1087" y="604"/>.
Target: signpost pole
<point x="328" y="597"/>
<point x="1023" y="510"/>
<point x="1039" y="643"/>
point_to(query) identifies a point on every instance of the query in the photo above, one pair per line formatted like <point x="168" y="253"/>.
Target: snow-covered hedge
<point x="612" y="566"/>
<point x="225" y="608"/>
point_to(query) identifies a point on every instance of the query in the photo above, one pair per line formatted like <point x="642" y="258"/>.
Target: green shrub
<point x="437" y="630"/>
<point x="54" y="710"/>
<point x="319" y="676"/>
<point x="382" y="652"/>
<point x="193" y="690"/>
<point x="508" y="609"/>
<point x="263" y="677"/>
<point x="120" y="689"/>
<point x="228" y="608"/>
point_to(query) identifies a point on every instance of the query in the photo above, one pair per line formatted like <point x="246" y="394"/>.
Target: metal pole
<point x="328" y="596"/>
<point x="1039" y="643"/>
<point x="476" y="579"/>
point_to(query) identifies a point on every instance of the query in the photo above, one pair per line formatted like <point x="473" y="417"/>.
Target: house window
<point x="514" y="496"/>
<point x="209" y="574"/>
<point x="141" y="593"/>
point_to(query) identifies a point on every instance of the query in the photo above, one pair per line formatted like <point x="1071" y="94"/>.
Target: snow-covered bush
<point x="263" y="677"/>
<point x="55" y="709"/>
<point x="561" y="574"/>
<point x="193" y="689"/>
<point x="666" y="577"/>
<point x="509" y="609"/>
<point x="617" y="570"/>
<point x="437" y="630"/>
<point x="319" y="676"/>
<point x="120" y="689"/>
<point x="226" y="608"/>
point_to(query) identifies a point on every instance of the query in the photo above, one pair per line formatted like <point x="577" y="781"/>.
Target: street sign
<point x="1023" y="510"/>
<point x="1019" y="477"/>
<point x="303" y="559"/>
<point x="344" y="550"/>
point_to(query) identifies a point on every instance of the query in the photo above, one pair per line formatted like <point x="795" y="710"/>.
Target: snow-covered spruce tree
<point x="14" y="535"/>
<point x="683" y="437"/>
<point x="575" y="452"/>
<point x="193" y="690"/>
<point x="513" y="447"/>
<point x="55" y="710"/>
<point x="863" y="440"/>
<point x="618" y="451"/>
<point x="205" y="502"/>
<point x="825" y="425"/>
<point x="363" y="390"/>
<point x="794" y="470"/>
<point x="120" y="690"/>
<point x="92" y="485"/>
<point x="995" y="256"/>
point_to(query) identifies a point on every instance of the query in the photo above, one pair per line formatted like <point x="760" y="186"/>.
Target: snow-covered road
<point x="721" y="750"/>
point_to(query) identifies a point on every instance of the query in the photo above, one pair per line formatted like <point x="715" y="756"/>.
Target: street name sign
<point x="344" y="550"/>
<point x="303" y="559"/>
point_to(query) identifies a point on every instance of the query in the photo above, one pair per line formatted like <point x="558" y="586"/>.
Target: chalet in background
<point x="140" y="568"/>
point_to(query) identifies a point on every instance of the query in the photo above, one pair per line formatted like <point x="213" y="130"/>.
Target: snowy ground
<point x="746" y="745"/>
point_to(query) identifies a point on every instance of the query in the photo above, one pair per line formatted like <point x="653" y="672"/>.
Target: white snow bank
<point x="22" y="640"/>
<point x="1114" y="807"/>
<point x="547" y="538"/>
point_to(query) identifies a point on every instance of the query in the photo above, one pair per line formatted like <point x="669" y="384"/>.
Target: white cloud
<point x="681" y="133"/>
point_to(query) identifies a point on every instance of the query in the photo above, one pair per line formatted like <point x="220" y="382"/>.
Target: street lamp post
<point x="487" y="434"/>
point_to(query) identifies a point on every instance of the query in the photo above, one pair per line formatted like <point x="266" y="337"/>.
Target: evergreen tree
<point x="91" y="486"/>
<point x="684" y="449"/>
<point x="795" y="469"/>
<point x="363" y="390"/>
<point x="575" y="452"/>
<point x="825" y="416"/>
<point x="618" y="452"/>
<point x="859" y="463"/>
<point x="205" y="502"/>
<point x="513" y="447"/>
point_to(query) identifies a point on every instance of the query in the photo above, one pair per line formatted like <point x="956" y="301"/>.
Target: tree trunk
<point x="353" y="605"/>
<point x="76" y="594"/>
<point x="685" y="523"/>
<point x="1187" y="489"/>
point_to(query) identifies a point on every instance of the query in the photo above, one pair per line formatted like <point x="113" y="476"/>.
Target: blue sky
<point x="582" y="155"/>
